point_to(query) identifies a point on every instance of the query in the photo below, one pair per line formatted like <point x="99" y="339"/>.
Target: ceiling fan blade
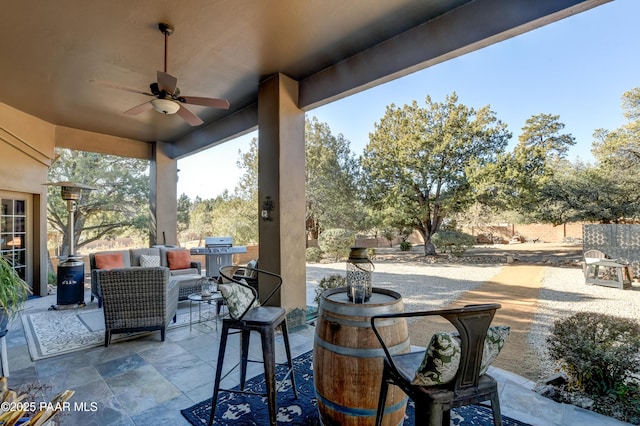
<point x="210" y="102"/>
<point x="118" y="87"/>
<point x="167" y="82"/>
<point x="189" y="117"/>
<point x="139" y="109"/>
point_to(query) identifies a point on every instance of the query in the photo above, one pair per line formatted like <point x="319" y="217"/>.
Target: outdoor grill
<point x="218" y="252"/>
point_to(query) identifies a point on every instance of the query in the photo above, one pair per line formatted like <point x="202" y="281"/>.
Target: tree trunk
<point x="429" y="248"/>
<point x="64" y="248"/>
<point x="50" y="269"/>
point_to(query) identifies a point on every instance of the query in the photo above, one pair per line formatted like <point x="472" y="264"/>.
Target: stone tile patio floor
<point x="147" y="382"/>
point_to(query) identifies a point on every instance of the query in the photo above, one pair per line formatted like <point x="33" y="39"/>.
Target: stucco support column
<point x="163" y="176"/>
<point x="281" y="178"/>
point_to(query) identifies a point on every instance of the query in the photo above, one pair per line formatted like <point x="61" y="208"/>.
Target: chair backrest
<point x="595" y="254"/>
<point x="125" y="288"/>
<point x="252" y="265"/>
<point x="249" y="274"/>
<point x="227" y="276"/>
<point x="472" y="323"/>
<point x="135" y="282"/>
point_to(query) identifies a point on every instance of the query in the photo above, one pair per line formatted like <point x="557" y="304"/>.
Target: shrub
<point x="313" y="254"/>
<point x="332" y="281"/>
<point x="405" y="246"/>
<point x="389" y="235"/>
<point x="371" y="253"/>
<point x="454" y="242"/>
<point x="336" y="242"/>
<point x="601" y="356"/>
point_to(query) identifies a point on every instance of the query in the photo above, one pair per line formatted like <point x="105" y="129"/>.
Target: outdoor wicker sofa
<point x="189" y="272"/>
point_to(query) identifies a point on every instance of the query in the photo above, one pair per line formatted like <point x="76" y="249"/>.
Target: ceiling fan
<point x="167" y="97"/>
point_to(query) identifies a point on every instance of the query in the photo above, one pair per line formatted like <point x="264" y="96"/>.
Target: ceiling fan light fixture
<point x="165" y="106"/>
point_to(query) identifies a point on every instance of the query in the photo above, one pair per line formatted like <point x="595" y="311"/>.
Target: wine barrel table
<point x="348" y="359"/>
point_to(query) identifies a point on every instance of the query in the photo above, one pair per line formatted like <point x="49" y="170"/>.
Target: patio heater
<point x="70" y="289"/>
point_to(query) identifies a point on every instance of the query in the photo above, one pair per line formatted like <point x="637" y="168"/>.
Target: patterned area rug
<point x="52" y="333"/>
<point x="242" y="410"/>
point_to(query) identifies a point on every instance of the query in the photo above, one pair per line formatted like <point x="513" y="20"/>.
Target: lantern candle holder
<point x="359" y="270"/>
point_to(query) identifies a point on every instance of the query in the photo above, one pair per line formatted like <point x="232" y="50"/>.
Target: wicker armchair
<point x="137" y="299"/>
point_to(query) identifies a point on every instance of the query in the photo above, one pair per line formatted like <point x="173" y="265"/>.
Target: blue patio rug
<point x="247" y="410"/>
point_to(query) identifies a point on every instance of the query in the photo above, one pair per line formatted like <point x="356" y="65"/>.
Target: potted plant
<point x="13" y="294"/>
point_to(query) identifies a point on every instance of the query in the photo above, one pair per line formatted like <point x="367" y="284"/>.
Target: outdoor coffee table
<point x="200" y="299"/>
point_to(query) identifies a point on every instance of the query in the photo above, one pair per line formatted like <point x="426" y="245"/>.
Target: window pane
<point x="18" y="241"/>
<point x="7" y="207"/>
<point x="6" y="239"/>
<point x="18" y="224"/>
<point x="22" y="272"/>
<point x="19" y="258"/>
<point x="8" y="255"/>
<point x="7" y="224"/>
<point x="20" y="207"/>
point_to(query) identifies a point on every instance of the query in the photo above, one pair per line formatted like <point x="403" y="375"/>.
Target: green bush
<point x="371" y="253"/>
<point x="405" y="246"/>
<point x="389" y="235"/>
<point x="332" y="281"/>
<point x="601" y="356"/>
<point x="313" y="254"/>
<point x="454" y="242"/>
<point x="336" y="242"/>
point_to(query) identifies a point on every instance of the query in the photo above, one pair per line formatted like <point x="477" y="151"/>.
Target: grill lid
<point x="218" y="241"/>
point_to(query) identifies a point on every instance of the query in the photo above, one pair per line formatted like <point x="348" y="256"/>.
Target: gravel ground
<point x="433" y="286"/>
<point x="422" y="286"/>
<point x="564" y="293"/>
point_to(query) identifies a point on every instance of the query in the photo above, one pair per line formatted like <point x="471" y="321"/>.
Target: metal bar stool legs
<point x="287" y="347"/>
<point x="216" y="386"/>
<point x="267" y="337"/>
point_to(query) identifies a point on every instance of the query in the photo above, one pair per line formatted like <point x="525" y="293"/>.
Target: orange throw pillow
<point x="109" y="260"/>
<point x="179" y="259"/>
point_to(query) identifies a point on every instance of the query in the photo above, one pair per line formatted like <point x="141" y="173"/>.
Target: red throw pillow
<point x="179" y="259"/>
<point x="109" y="260"/>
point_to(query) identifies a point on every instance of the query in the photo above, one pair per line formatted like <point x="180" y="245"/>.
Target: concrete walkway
<point x="519" y="401"/>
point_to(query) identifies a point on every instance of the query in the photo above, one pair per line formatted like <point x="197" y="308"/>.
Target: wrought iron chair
<point x="245" y="316"/>
<point x="468" y="386"/>
<point x="137" y="299"/>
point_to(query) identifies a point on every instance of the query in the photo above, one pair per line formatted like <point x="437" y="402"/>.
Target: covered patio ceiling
<point x="54" y="51"/>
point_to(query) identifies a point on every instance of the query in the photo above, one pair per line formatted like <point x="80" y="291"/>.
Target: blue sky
<point x="577" y="68"/>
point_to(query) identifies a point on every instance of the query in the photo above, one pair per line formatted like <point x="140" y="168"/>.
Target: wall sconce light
<point x="267" y="208"/>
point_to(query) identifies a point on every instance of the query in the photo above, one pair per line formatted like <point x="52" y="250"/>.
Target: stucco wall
<point x="539" y="232"/>
<point x="27" y="149"/>
<point x="26" y="152"/>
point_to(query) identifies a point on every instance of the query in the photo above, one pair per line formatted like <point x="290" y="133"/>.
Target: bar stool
<point x="245" y="316"/>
